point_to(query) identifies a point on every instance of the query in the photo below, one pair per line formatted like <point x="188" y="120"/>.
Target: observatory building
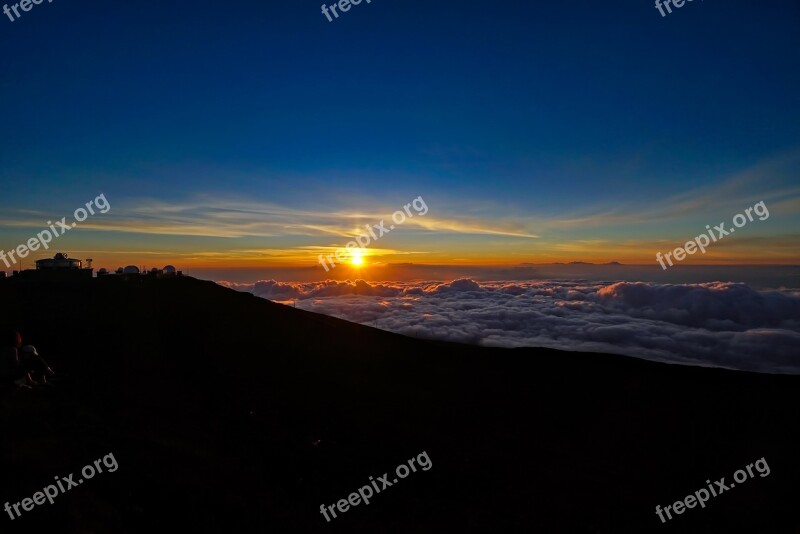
<point x="62" y="266"/>
<point x="59" y="262"/>
<point x="133" y="271"/>
<point x="59" y="266"/>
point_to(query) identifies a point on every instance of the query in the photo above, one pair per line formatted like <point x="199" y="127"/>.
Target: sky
<point x="259" y="135"/>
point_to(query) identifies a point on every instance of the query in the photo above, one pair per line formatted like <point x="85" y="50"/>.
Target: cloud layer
<point x="714" y="324"/>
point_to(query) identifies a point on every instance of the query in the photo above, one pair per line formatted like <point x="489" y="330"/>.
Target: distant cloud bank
<point x="712" y="324"/>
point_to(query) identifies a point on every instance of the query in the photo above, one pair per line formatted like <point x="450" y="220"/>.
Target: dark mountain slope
<point x="229" y="413"/>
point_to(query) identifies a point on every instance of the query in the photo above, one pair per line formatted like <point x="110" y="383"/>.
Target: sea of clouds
<point x="717" y="324"/>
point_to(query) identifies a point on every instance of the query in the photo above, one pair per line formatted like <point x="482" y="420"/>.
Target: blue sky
<point x="601" y="128"/>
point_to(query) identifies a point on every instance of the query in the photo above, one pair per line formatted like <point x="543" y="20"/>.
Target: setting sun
<point x="357" y="259"/>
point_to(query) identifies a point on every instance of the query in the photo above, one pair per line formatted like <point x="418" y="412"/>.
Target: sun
<point x="357" y="259"/>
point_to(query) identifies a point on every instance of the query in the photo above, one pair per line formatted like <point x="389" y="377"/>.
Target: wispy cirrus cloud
<point x="234" y="218"/>
<point x="457" y="229"/>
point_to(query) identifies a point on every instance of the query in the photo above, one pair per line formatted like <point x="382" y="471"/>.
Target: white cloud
<point x="719" y="324"/>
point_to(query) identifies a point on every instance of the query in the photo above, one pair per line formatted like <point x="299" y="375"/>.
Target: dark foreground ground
<point x="229" y="413"/>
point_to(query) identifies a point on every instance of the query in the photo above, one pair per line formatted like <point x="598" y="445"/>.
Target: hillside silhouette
<point x="230" y="413"/>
